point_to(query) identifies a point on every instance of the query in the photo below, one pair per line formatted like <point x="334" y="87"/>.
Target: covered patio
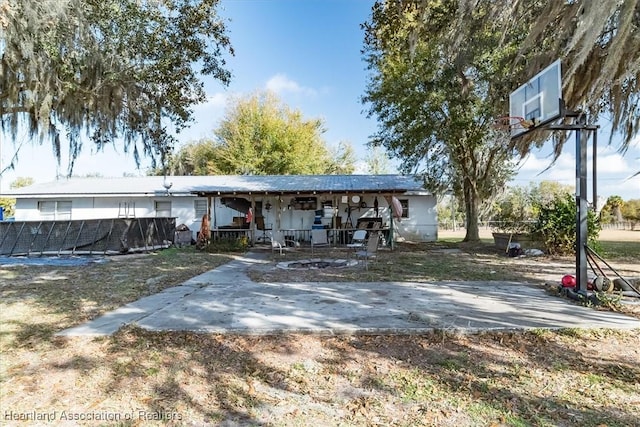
<point x="296" y="205"/>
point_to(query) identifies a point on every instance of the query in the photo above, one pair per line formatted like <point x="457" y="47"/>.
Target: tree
<point x="342" y="159"/>
<point x="591" y="38"/>
<point x="614" y="207"/>
<point x="631" y="212"/>
<point x="377" y="162"/>
<point x="115" y="70"/>
<point x="195" y="158"/>
<point x="260" y="135"/>
<point x="435" y="104"/>
<point x="22" y="181"/>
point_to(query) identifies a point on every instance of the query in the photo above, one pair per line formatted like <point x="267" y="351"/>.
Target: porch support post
<point x="279" y="213"/>
<point x="212" y="207"/>
<point x="252" y="225"/>
<point x="391" y="224"/>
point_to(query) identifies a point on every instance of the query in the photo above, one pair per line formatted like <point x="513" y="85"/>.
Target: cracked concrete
<point x="225" y="300"/>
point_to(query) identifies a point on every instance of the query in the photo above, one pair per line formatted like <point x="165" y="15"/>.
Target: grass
<point x="541" y="377"/>
<point x="620" y="250"/>
<point x="442" y="261"/>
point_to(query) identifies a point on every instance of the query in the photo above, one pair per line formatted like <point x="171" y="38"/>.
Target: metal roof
<point x="219" y="185"/>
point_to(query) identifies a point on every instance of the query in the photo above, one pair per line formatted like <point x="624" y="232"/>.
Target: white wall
<point x="114" y="207"/>
<point x="422" y="223"/>
<point x="420" y="226"/>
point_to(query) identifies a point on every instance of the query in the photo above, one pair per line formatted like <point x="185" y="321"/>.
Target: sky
<point x="309" y="53"/>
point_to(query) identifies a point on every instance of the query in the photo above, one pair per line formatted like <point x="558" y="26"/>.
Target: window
<point x="405" y="208"/>
<point x="163" y="209"/>
<point x="200" y="207"/>
<point x="54" y="210"/>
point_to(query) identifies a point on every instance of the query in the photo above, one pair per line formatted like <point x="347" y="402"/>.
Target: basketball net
<point x="508" y="123"/>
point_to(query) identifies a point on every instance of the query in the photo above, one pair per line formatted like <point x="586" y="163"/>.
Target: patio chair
<point x="319" y="239"/>
<point x="358" y="241"/>
<point x="371" y="250"/>
<point x="280" y="243"/>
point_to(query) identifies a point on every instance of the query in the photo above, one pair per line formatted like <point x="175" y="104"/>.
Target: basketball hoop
<point x="510" y="123"/>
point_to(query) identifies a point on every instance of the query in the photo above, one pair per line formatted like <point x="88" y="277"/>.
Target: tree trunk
<point x="617" y="212"/>
<point x="471" y="212"/>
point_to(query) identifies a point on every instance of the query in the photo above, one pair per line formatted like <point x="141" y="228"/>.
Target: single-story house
<point x="293" y="203"/>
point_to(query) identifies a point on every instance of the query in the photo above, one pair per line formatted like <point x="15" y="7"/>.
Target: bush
<point x="556" y="225"/>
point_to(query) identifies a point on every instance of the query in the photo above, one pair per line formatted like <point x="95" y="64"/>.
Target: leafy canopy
<point x="115" y="71"/>
<point x="260" y="135"/>
<point x="434" y="104"/>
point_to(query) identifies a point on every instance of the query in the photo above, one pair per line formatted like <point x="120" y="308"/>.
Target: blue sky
<point x="308" y="52"/>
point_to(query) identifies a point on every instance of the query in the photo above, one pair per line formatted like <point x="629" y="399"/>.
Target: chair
<point x="359" y="240"/>
<point x="278" y="242"/>
<point x="319" y="238"/>
<point x="371" y="249"/>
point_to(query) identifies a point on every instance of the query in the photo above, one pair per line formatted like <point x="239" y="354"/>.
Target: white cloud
<point x="280" y="84"/>
<point x="537" y="165"/>
<point x="612" y="163"/>
<point x="215" y="101"/>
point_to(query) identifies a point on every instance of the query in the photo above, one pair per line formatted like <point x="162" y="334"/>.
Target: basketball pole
<point x="582" y="205"/>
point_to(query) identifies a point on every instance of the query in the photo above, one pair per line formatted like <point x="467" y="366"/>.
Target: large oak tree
<point x="107" y="71"/>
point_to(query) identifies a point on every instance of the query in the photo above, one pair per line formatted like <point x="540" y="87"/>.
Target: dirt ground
<point x="141" y="378"/>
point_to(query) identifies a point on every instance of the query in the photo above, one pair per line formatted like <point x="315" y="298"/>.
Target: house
<point x="259" y="204"/>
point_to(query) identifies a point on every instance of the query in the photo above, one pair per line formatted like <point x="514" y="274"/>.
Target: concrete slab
<point x="225" y="300"/>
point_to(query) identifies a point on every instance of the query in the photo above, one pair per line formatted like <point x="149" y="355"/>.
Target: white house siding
<point x="114" y="207"/>
<point x="422" y="224"/>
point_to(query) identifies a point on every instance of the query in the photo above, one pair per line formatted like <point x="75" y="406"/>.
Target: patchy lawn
<point x="562" y="378"/>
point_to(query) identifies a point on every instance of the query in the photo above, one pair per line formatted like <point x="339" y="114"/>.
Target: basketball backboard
<point x="538" y="100"/>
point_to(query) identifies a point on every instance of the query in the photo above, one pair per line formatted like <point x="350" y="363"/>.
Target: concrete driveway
<point x="225" y="300"/>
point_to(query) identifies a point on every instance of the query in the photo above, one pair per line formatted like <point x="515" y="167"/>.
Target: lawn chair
<point x="319" y="239"/>
<point x="358" y="241"/>
<point x="371" y="250"/>
<point x="279" y="243"/>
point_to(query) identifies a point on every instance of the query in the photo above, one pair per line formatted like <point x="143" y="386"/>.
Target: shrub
<point x="556" y="225"/>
